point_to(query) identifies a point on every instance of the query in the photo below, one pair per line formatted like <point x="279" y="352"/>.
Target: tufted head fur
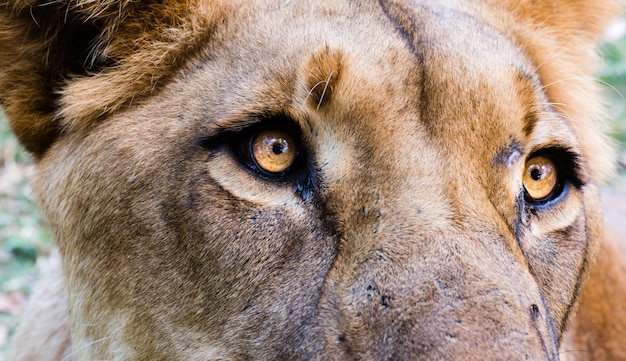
<point x="68" y="63"/>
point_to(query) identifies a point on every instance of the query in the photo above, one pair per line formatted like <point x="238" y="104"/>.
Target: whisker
<point x="327" y="82"/>
<point x="313" y="89"/>
<point x="611" y="87"/>
<point x="75" y="351"/>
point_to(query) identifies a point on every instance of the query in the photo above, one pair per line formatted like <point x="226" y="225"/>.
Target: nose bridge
<point x="413" y="278"/>
<point x="436" y="301"/>
<point x="387" y="178"/>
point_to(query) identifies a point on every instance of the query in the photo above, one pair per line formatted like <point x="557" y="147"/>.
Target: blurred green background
<point x="24" y="238"/>
<point x="612" y="74"/>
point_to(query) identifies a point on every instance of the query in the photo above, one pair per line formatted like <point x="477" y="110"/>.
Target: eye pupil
<point x="535" y="174"/>
<point x="278" y="148"/>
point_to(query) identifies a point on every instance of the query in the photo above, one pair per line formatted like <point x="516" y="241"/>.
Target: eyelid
<point x="235" y="124"/>
<point x="221" y="131"/>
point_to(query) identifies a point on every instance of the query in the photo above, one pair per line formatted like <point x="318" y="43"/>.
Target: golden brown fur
<point x="403" y="227"/>
<point x="599" y="328"/>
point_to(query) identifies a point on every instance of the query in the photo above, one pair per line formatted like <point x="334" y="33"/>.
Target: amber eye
<point x="540" y="178"/>
<point x="273" y="151"/>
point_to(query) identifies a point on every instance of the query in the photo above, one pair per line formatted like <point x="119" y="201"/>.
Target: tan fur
<point x="48" y="336"/>
<point x="599" y="328"/>
<point x="556" y="35"/>
<point x="401" y="232"/>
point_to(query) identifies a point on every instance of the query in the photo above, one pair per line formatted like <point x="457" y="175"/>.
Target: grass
<point x="22" y="233"/>
<point x="24" y="238"/>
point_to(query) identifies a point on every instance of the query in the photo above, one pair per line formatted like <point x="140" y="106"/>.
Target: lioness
<point x="316" y="180"/>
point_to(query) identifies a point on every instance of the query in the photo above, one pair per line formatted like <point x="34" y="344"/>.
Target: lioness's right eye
<point x="549" y="173"/>
<point x="272" y="152"/>
<point x="540" y="179"/>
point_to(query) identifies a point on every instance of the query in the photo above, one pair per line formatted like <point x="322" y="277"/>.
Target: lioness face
<point x="331" y="181"/>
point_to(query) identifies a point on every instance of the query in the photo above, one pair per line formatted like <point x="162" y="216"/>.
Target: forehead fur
<point x="559" y="38"/>
<point x="85" y="60"/>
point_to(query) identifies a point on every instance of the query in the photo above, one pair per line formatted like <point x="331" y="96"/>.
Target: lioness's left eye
<point x="541" y="179"/>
